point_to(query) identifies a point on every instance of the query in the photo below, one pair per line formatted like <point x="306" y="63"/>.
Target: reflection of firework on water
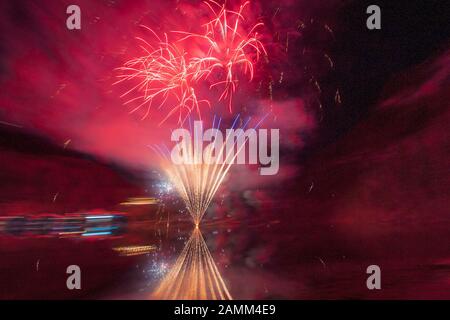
<point x="194" y="276"/>
<point x="168" y="74"/>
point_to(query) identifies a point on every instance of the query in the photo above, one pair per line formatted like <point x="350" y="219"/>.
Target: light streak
<point x="96" y="234"/>
<point x="134" y="250"/>
<point x="139" y="201"/>
<point x="11" y="124"/>
<point x="100" y="217"/>
<point x="66" y="143"/>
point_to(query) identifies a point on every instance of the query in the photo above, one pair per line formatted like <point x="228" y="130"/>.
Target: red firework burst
<point x="167" y="72"/>
<point x="163" y="74"/>
<point x="230" y="48"/>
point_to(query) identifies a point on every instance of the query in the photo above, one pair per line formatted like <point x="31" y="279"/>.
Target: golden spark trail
<point x="197" y="181"/>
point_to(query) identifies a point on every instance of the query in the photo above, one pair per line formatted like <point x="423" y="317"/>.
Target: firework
<point x="230" y="49"/>
<point x="168" y="75"/>
<point x="198" y="181"/>
<point x="163" y="75"/>
<point x="194" y="276"/>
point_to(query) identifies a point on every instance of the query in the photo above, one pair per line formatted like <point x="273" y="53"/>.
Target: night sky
<point x="364" y="151"/>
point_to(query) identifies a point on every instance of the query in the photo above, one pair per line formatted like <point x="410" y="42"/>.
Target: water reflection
<point x="194" y="276"/>
<point x="67" y="225"/>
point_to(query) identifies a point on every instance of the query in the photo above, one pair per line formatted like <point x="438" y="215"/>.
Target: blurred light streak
<point x="91" y="234"/>
<point x="139" y="201"/>
<point x="99" y="217"/>
<point x="134" y="250"/>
